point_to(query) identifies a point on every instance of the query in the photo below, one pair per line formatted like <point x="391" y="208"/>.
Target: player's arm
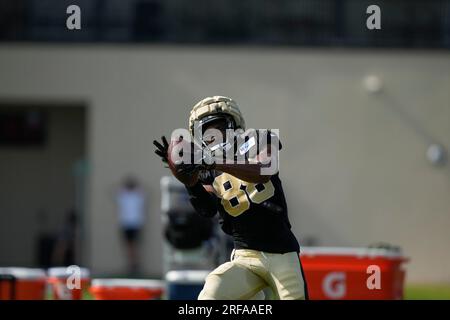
<point x="204" y="202"/>
<point x="251" y="172"/>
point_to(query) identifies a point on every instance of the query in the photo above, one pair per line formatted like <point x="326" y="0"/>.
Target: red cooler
<point x="22" y="284"/>
<point x="127" y="289"/>
<point x="58" y="278"/>
<point x="353" y="273"/>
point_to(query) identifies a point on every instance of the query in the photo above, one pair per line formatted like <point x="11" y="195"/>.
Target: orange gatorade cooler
<point x="64" y="283"/>
<point x="353" y="273"/>
<point x="22" y="284"/>
<point x="127" y="289"/>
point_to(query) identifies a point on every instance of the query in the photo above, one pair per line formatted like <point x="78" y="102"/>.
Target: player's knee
<point x="212" y="290"/>
<point x="292" y="292"/>
<point x="206" y="295"/>
<point x="260" y="295"/>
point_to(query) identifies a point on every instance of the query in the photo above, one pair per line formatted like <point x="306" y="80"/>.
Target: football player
<point x="251" y="206"/>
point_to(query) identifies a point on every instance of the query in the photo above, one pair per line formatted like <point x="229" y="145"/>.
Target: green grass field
<point x="427" y="292"/>
<point x="412" y="292"/>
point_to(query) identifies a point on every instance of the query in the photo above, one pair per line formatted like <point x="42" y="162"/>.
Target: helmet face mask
<point x="219" y="121"/>
<point x="217" y="133"/>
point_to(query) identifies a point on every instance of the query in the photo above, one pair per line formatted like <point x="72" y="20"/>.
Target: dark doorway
<point x="42" y="174"/>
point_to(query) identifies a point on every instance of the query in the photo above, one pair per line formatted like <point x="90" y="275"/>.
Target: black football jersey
<point x="254" y="214"/>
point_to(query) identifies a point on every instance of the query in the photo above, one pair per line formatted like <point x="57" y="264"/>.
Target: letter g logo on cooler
<point x="334" y="285"/>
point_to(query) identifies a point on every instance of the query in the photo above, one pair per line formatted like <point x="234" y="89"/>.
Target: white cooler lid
<point x="23" y="273"/>
<point x="351" y="251"/>
<point x="63" y="272"/>
<point x="187" y="276"/>
<point x="135" y="283"/>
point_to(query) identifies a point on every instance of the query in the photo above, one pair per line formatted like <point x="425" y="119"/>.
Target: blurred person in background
<point x="45" y="241"/>
<point x="65" y="250"/>
<point x="131" y="207"/>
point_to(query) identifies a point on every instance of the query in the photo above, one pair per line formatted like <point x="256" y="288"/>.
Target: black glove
<point x="188" y="169"/>
<point x="162" y="152"/>
<point x="162" y="149"/>
<point x="194" y="168"/>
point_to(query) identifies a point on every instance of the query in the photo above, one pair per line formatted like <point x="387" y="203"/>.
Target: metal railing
<point x="404" y="23"/>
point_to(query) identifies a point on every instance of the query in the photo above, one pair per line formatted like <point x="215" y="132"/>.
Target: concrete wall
<point x="353" y="164"/>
